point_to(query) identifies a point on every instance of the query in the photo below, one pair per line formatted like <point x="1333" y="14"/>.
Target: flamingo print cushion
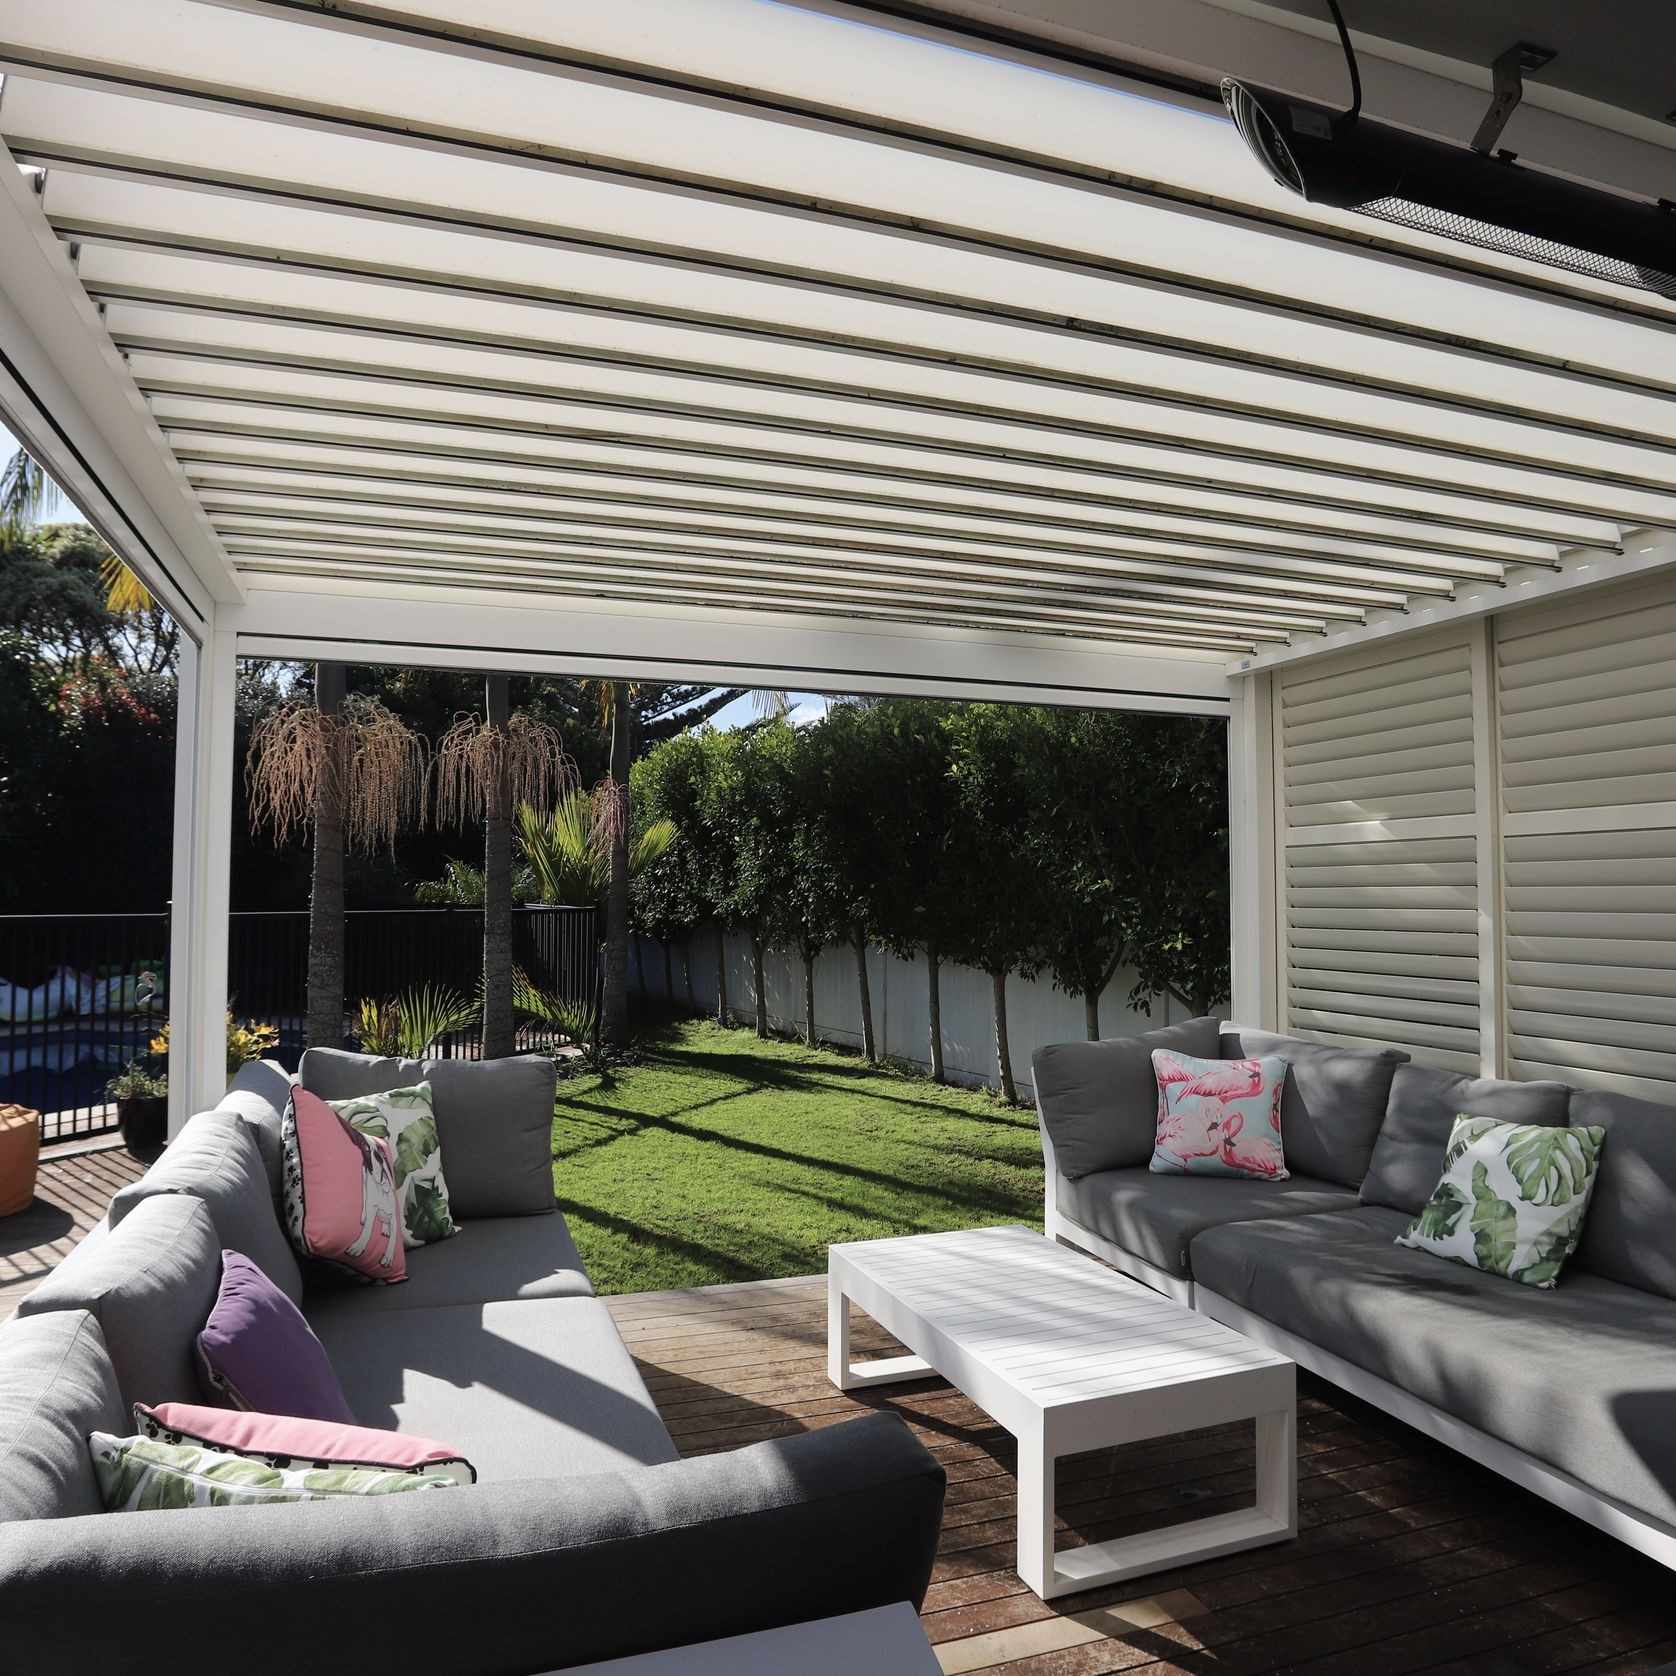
<point x="1219" y="1117"/>
<point x="341" y="1204"/>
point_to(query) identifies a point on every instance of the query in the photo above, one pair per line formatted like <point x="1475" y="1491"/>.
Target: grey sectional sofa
<point x="1570" y="1392"/>
<point x="585" y="1537"/>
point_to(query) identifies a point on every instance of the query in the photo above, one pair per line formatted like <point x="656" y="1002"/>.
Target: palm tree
<point x="26" y="494"/>
<point x="354" y="773"/>
<point x="567" y="861"/>
<point x="484" y="769"/>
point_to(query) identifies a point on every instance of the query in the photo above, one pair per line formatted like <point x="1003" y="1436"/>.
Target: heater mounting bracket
<point x="1507" y="89"/>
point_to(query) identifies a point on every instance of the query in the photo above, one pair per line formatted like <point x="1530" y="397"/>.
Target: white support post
<point x="1486" y="781"/>
<point x="1254" y="927"/>
<point x="197" y="983"/>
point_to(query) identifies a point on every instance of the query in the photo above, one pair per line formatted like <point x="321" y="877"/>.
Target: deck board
<point x="72" y="1191"/>
<point x="1409" y="1557"/>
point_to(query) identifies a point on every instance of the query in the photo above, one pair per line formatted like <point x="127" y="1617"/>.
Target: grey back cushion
<point x="1334" y="1102"/>
<point x="56" y="1386"/>
<point x="1408" y="1157"/>
<point x="258" y="1094"/>
<point x="150" y="1284"/>
<point x="494" y="1120"/>
<point x="215" y="1158"/>
<point x="1099" y="1100"/>
<point x="1628" y="1231"/>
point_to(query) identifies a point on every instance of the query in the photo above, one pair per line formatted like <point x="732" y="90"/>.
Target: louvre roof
<point x="771" y="310"/>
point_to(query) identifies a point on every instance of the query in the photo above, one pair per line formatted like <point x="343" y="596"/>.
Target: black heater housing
<point x="1491" y="201"/>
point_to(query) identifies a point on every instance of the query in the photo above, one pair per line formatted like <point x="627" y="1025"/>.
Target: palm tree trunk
<point x="721" y="976"/>
<point x="761" y="987"/>
<point x="809" y="996"/>
<point x="934" y="1001"/>
<point x="617" y="892"/>
<point x="1003" y="1052"/>
<point x="500" y="1035"/>
<point x="858" y="936"/>
<point x="325" y="904"/>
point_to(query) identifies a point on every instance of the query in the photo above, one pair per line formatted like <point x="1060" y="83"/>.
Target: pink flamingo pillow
<point x="341" y="1205"/>
<point x="1219" y="1117"/>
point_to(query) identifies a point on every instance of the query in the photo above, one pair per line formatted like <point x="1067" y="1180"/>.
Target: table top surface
<point x="1056" y="1325"/>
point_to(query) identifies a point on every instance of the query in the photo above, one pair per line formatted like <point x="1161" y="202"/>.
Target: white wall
<point x="1037" y="1013"/>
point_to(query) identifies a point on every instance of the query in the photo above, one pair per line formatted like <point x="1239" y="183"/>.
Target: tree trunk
<point x="858" y="936"/>
<point x="687" y="971"/>
<point x="1091" y="1014"/>
<point x="1003" y="1052"/>
<point x="721" y="976"/>
<point x="617" y="892"/>
<point x="761" y="988"/>
<point x="934" y="1002"/>
<point x="500" y="1031"/>
<point x="808" y="997"/>
<point x="325" y="904"/>
<point x="668" y="974"/>
<point x="640" y="960"/>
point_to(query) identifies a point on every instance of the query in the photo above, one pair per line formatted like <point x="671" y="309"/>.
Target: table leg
<point x="1035" y="1510"/>
<point x="1277" y="1469"/>
<point x="844" y="1373"/>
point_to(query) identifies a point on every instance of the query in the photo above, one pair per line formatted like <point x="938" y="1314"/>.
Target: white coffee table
<point x="1069" y="1357"/>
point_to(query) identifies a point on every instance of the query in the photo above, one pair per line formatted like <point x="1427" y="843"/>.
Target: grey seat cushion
<point x="494" y="1119"/>
<point x="150" y="1283"/>
<point x="492" y="1260"/>
<point x="216" y="1159"/>
<point x="1334" y="1102"/>
<point x="1629" y="1234"/>
<point x="1582" y="1377"/>
<point x="1408" y="1156"/>
<point x="258" y="1094"/>
<point x="532" y="1389"/>
<point x="56" y="1386"/>
<point x="502" y="1577"/>
<point x="1099" y="1100"/>
<point x="1157" y="1217"/>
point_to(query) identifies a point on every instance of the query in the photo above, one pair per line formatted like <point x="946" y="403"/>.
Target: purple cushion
<point x="257" y="1352"/>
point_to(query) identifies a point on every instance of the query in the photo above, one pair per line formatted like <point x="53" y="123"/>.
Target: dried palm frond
<point x="482" y="769"/>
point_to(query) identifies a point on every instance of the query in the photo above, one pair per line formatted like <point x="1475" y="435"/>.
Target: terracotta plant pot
<point x="144" y="1122"/>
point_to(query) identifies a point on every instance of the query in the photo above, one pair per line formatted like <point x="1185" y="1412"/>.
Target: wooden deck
<point x="71" y="1193"/>
<point x="1410" y="1558"/>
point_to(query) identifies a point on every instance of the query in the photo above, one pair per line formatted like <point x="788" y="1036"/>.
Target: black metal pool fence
<point x="81" y="995"/>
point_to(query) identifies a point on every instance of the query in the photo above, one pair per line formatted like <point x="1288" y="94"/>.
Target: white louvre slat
<point x="1381" y="914"/>
<point x="1588" y="780"/>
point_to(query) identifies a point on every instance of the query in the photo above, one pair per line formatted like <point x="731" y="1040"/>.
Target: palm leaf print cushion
<point x="1218" y="1117"/>
<point x="406" y="1119"/>
<point x="141" y="1474"/>
<point x="1511" y="1200"/>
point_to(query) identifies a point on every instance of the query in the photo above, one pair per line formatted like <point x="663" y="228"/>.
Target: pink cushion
<point x="341" y="1205"/>
<point x="282" y="1440"/>
<point x="1219" y="1117"/>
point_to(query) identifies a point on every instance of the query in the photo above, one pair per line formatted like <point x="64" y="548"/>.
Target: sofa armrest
<point x="499" y="1578"/>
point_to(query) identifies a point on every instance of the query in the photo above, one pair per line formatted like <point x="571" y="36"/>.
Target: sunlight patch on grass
<point x="722" y="1157"/>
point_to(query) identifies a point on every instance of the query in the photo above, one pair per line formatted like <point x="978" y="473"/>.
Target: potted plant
<point x="142" y="1106"/>
<point x="246" y="1041"/>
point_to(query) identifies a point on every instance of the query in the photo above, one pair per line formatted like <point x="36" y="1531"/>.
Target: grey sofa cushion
<point x="1408" y="1156"/>
<point x="541" y="1387"/>
<point x="1334" y="1102"/>
<point x="503" y="1577"/>
<point x="258" y="1094"/>
<point x="216" y="1159"/>
<point x="1099" y="1100"/>
<point x="494" y="1118"/>
<point x="56" y="1386"/>
<point x="1583" y="1377"/>
<point x="492" y="1260"/>
<point x="1157" y="1217"/>
<point x="1629" y="1234"/>
<point x="150" y="1284"/>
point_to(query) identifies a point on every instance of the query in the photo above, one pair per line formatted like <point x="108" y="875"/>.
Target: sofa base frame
<point x="1650" y="1536"/>
<point x="1079" y="1238"/>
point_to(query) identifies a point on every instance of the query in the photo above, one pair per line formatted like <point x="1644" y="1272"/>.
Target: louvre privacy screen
<point x="798" y="345"/>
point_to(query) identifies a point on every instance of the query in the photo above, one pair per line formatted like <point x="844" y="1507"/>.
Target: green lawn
<point x="724" y="1158"/>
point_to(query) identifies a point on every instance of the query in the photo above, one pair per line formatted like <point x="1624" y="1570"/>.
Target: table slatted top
<point x="1056" y="1325"/>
